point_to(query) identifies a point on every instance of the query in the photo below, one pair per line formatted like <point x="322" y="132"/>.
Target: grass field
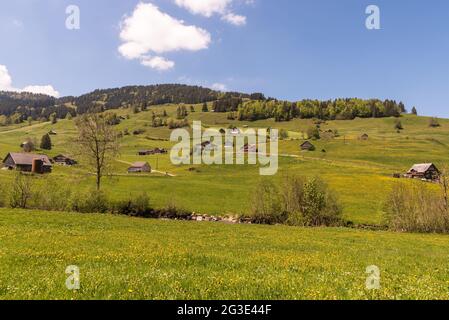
<point x="359" y="171"/>
<point x="126" y="258"/>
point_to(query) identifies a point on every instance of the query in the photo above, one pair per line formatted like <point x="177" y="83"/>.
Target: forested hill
<point x="18" y="107"/>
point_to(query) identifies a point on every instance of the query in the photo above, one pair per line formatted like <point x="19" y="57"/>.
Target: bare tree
<point x="97" y="144"/>
<point x="21" y="190"/>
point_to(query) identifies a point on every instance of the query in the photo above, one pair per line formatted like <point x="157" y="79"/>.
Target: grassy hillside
<point x="359" y="171"/>
<point x="126" y="258"/>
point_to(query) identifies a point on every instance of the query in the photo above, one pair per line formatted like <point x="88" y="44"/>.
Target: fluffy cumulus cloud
<point x="219" y="87"/>
<point x="208" y="8"/>
<point x="7" y="85"/>
<point x="149" y="32"/>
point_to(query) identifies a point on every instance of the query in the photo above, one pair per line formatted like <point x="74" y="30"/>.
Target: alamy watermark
<point x="73" y="280"/>
<point x="373" y="20"/>
<point x="373" y="279"/>
<point x="73" y="21"/>
<point x="234" y="146"/>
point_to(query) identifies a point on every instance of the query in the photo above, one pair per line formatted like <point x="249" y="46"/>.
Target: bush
<point x="267" y="205"/>
<point x="21" y="191"/>
<point x="89" y="202"/>
<point x="415" y="207"/>
<point x="296" y="201"/>
<point x="138" y="207"/>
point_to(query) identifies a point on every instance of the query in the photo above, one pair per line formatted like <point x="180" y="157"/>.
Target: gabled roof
<point x="139" y="164"/>
<point x="27" y="158"/>
<point x="421" y="168"/>
<point x="306" y="143"/>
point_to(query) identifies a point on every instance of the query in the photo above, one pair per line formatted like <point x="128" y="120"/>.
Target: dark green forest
<point x="19" y="107"/>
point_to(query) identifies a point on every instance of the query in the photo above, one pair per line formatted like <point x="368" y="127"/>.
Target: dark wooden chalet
<point x="307" y="146"/>
<point x="64" y="160"/>
<point x="426" y="171"/>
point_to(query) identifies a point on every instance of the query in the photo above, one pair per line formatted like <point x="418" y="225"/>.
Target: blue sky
<point x="284" y="48"/>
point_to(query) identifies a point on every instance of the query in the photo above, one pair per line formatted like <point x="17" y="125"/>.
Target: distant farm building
<point x="28" y="162"/>
<point x="364" y="137"/>
<point x="204" y="146"/>
<point x="152" y="152"/>
<point x="426" y="171"/>
<point x="64" y="160"/>
<point x="139" y="167"/>
<point x="307" y="146"/>
<point x="249" y="148"/>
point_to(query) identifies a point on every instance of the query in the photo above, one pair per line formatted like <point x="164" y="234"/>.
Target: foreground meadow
<point x="126" y="258"/>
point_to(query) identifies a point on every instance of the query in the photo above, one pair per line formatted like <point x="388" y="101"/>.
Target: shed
<point x="364" y="136"/>
<point x="140" y="167"/>
<point x="307" y="146"/>
<point x="64" y="160"/>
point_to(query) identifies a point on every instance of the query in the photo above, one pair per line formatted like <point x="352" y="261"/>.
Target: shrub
<point x="313" y="133"/>
<point x="138" y="207"/>
<point x="266" y="205"/>
<point x="89" y="202"/>
<point x="415" y="207"/>
<point x="433" y="123"/>
<point x="20" y="192"/>
<point x="296" y="201"/>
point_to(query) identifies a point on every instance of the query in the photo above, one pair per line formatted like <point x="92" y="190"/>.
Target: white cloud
<point x="149" y="30"/>
<point x="5" y="79"/>
<point x="235" y="19"/>
<point x="205" y="8"/>
<point x="159" y="63"/>
<point x="219" y="87"/>
<point x="208" y="8"/>
<point x="48" y="90"/>
<point x="6" y="85"/>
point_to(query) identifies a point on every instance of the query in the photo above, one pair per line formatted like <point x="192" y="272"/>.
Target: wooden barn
<point x="307" y="146"/>
<point x="139" y="167"/>
<point x="25" y="161"/>
<point x="64" y="160"/>
<point x="364" y="137"/>
<point x="249" y="148"/>
<point x="426" y="171"/>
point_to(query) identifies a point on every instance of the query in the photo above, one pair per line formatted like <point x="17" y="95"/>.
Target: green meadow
<point x="128" y="258"/>
<point x="360" y="172"/>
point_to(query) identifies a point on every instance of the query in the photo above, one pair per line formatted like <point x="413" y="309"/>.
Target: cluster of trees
<point x="338" y="109"/>
<point x="20" y="107"/>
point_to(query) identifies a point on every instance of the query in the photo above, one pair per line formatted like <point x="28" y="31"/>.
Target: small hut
<point x="64" y="160"/>
<point x="307" y="146"/>
<point x="139" y="167"/>
<point x="364" y="137"/>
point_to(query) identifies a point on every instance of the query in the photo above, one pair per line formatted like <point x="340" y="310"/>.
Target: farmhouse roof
<point x="421" y="168"/>
<point x="27" y="158"/>
<point x="139" y="164"/>
<point x="306" y="143"/>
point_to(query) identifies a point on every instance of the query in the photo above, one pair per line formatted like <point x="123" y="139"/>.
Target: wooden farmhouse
<point x="426" y="171"/>
<point x="64" y="160"/>
<point x="28" y="162"/>
<point x="364" y="137"/>
<point x="307" y="146"/>
<point x="152" y="152"/>
<point x="140" y="167"/>
<point x="249" y="148"/>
